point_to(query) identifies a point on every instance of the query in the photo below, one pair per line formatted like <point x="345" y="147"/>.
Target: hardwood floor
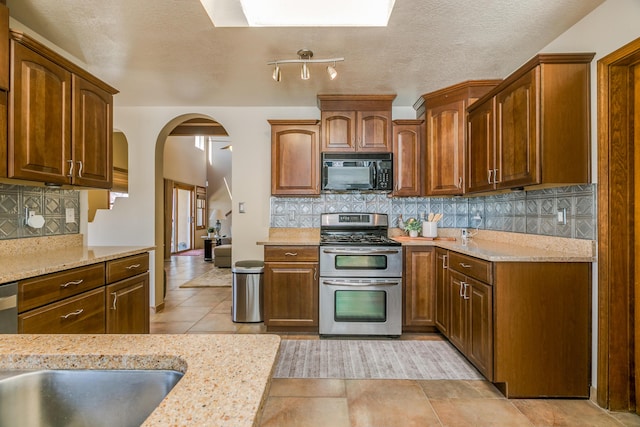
<point x="355" y="403"/>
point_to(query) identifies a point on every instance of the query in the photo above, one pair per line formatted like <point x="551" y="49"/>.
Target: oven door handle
<point x="364" y="252"/>
<point x="363" y="283"/>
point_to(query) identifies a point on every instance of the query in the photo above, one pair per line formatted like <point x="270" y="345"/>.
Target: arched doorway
<point x="188" y="133"/>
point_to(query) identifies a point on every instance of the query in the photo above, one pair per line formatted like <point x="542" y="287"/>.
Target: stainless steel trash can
<point x="247" y="292"/>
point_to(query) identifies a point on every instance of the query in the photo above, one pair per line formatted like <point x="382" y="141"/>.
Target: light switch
<point x="70" y="215"/>
<point x="241" y="207"/>
<point x="562" y="216"/>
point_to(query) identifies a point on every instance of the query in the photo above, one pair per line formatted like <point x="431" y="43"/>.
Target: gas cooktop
<point x="355" y="229"/>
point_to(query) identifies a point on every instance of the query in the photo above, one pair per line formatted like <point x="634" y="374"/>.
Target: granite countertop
<point x="495" y="246"/>
<point x="24" y="265"/>
<point x="225" y="376"/>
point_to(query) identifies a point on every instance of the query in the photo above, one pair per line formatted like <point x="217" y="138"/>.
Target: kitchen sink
<point x="82" y="397"/>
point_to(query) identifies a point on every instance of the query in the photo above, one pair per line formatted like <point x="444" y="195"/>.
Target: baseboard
<point x="158" y="308"/>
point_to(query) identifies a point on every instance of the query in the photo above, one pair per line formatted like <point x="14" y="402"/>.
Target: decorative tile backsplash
<point x="531" y="212"/>
<point x="51" y="203"/>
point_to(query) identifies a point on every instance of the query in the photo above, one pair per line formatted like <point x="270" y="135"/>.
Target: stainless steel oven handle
<point x="365" y="252"/>
<point x="349" y="283"/>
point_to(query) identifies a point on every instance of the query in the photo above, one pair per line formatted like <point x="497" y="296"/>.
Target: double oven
<point x="360" y="276"/>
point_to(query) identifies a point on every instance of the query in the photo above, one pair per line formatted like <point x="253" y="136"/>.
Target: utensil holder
<point x="429" y="229"/>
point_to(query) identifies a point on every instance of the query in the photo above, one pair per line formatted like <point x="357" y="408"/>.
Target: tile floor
<point x="355" y="403"/>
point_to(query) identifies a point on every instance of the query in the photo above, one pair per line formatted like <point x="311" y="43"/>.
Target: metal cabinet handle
<point x="461" y="288"/>
<point x="132" y="266"/>
<point x="465" y="296"/>
<point x="463" y="265"/>
<point x="70" y="175"/>
<point x="115" y="299"/>
<point x="291" y="254"/>
<point x="71" y="283"/>
<point x="445" y="261"/>
<point x="315" y="274"/>
<point x="73" y="313"/>
<point x="489" y="177"/>
<point x="495" y="176"/>
<point x="79" y="169"/>
<point x="459" y="182"/>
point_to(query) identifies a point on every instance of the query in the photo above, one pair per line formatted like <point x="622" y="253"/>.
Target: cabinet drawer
<point x="291" y="253"/>
<point x="53" y="287"/>
<point x="127" y="267"/>
<point x="81" y="314"/>
<point x="470" y="266"/>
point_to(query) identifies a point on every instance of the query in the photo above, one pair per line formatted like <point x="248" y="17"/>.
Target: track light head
<point x="331" y="70"/>
<point x="276" y="73"/>
<point x="304" y="72"/>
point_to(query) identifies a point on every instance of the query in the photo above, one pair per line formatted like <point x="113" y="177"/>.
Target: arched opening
<point x="193" y="162"/>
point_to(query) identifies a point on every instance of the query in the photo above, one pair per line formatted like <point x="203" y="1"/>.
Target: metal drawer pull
<point x="463" y="265"/>
<point x="73" y="313"/>
<point x="465" y="296"/>
<point x="79" y="169"/>
<point x="445" y="261"/>
<point x="131" y="267"/>
<point x="73" y="282"/>
<point x="291" y="254"/>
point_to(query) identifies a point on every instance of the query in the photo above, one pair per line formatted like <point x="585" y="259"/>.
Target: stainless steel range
<point x="360" y="276"/>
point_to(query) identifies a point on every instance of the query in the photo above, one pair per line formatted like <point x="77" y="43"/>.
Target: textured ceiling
<point x="167" y="52"/>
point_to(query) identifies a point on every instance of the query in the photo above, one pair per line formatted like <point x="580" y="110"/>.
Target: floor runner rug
<point x="192" y="252"/>
<point x="381" y="359"/>
<point x="215" y="277"/>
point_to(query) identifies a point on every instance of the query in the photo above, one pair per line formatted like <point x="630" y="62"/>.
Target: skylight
<point x="299" y="13"/>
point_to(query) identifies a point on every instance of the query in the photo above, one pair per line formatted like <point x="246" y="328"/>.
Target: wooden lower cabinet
<point x="81" y="314"/>
<point x="291" y="288"/>
<point x="127" y="310"/>
<point x="419" y="289"/>
<point x="443" y="310"/>
<point x="77" y="301"/>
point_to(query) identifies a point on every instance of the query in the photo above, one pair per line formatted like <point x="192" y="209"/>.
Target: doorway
<point x="618" y="237"/>
<point x="182" y="217"/>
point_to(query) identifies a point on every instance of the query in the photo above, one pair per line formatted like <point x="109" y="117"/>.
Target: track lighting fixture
<point x="304" y="58"/>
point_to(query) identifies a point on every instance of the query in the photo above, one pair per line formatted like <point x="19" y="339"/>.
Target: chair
<point x="222" y="256"/>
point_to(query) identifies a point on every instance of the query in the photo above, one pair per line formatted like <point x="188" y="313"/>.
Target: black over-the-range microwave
<point x="357" y="172"/>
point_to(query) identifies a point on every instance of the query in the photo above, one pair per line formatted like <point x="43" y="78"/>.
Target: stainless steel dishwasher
<point x="9" y="308"/>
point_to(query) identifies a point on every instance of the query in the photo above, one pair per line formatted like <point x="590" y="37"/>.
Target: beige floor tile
<point x="215" y="322"/>
<point x="459" y="389"/>
<point x="388" y="403"/>
<point x="210" y="301"/>
<point x="561" y="412"/>
<point x="252" y="328"/>
<point x="314" y="387"/>
<point x="305" y="412"/>
<point x="628" y="419"/>
<point x="169" y="327"/>
<point x="181" y="314"/>
<point x="478" y="412"/>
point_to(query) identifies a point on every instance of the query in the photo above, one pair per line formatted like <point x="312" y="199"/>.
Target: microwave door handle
<point x="373" y="183"/>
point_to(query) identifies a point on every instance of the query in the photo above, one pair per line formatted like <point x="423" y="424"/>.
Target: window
<point x="201" y="208"/>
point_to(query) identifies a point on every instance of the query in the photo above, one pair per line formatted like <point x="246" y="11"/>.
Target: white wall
<point x="183" y="162"/>
<point x="612" y="25"/>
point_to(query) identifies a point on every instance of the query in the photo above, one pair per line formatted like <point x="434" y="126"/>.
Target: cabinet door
<point x="458" y="316"/>
<point x="445" y="149"/>
<point x="338" y="130"/>
<point x="419" y="287"/>
<point x="295" y="163"/>
<point x="407" y="158"/>
<point x="480" y="148"/>
<point x="442" y="295"/>
<point x="517" y="138"/>
<point x="480" y="341"/>
<point x="39" y="146"/>
<point x="92" y="124"/>
<point x="373" y="131"/>
<point x="291" y="295"/>
<point x="127" y="309"/>
<point x="81" y="314"/>
<point x="4" y="47"/>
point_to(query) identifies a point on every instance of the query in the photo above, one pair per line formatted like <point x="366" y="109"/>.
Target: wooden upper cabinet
<point x="444" y="112"/>
<point x="541" y="116"/>
<point x="92" y="134"/>
<point x="60" y="119"/>
<point x="40" y="116"/>
<point x="408" y="152"/>
<point x="356" y="123"/>
<point x="4" y="47"/>
<point x="295" y="157"/>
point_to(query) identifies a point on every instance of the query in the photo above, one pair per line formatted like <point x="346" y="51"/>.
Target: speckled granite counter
<point x="493" y="246"/>
<point x="225" y="375"/>
<point x="24" y="265"/>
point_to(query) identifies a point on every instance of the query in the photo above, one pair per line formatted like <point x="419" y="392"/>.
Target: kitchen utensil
<point x="430" y="216"/>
